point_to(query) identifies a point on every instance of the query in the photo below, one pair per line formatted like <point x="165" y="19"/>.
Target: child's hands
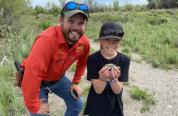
<point x="109" y="72"/>
<point x="114" y="73"/>
<point x="103" y="73"/>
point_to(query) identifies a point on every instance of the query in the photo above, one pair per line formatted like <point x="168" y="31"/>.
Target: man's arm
<point x="36" y="65"/>
<point x="81" y="64"/>
<point x="80" y="68"/>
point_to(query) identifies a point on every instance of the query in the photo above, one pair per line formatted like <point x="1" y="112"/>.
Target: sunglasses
<point x="113" y="32"/>
<point x="75" y="6"/>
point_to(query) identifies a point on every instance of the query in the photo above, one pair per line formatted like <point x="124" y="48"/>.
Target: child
<point x="107" y="70"/>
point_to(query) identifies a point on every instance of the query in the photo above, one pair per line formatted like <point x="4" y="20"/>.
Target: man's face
<point x="73" y="27"/>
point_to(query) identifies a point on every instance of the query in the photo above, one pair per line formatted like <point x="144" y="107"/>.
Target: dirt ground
<point x="162" y="83"/>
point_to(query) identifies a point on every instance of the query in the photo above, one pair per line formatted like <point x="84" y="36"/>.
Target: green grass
<point x="143" y="95"/>
<point x="11" y="102"/>
<point x="73" y="67"/>
<point x="92" y="50"/>
<point x="45" y="25"/>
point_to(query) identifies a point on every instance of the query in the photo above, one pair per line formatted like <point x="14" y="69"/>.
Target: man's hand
<point x="104" y="73"/>
<point x="77" y="89"/>
<point x="44" y="108"/>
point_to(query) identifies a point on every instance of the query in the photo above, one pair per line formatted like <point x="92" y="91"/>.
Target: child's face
<point x="110" y="46"/>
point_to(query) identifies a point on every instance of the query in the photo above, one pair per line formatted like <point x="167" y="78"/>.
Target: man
<point x="53" y="52"/>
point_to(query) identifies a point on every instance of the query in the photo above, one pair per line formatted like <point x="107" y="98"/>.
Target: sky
<point x="106" y="2"/>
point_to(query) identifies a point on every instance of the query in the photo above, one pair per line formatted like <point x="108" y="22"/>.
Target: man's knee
<point x="77" y="106"/>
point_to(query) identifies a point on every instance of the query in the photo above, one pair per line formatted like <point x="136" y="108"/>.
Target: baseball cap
<point x="72" y="8"/>
<point x="110" y="30"/>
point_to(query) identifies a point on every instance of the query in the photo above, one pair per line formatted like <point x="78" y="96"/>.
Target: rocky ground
<point x="162" y="83"/>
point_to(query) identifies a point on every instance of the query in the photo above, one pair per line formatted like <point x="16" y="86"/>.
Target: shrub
<point x="144" y="95"/>
<point x="39" y="10"/>
<point x="10" y="98"/>
<point x="4" y="29"/>
<point x="45" y="25"/>
<point x="176" y="43"/>
<point x="157" y="21"/>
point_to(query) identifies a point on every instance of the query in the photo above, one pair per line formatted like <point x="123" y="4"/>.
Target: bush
<point x="138" y="94"/>
<point x="157" y="21"/>
<point x="4" y="29"/>
<point x="54" y="10"/>
<point x="45" y="25"/>
<point x="10" y="97"/>
<point x="39" y="10"/>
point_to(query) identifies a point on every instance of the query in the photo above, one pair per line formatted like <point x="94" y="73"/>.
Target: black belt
<point x="45" y="83"/>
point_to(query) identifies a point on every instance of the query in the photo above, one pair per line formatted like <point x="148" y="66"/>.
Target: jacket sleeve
<point x="36" y="66"/>
<point x="81" y="64"/>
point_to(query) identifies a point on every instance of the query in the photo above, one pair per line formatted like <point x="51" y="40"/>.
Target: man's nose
<point x="76" y="26"/>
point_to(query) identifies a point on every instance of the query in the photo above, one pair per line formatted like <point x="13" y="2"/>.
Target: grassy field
<point x="152" y="34"/>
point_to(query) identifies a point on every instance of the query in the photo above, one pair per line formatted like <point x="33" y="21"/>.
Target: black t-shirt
<point x="106" y="103"/>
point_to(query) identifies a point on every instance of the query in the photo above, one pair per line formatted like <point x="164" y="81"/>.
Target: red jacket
<point x="48" y="60"/>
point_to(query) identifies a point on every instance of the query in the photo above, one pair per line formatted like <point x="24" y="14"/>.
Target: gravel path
<point x="162" y="83"/>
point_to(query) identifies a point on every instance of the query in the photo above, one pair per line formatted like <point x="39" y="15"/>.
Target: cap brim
<point x="110" y="36"/>
<point x="73" y="12"/>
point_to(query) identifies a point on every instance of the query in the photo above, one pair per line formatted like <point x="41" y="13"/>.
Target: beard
<point x="72" y="36"/>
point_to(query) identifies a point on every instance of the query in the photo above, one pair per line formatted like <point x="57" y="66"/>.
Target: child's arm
<point x="115" y="84"/>
<point x="100" y="84"/>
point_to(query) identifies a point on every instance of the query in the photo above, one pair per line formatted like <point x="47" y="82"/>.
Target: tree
<point x="54" y="9"/>
<point x="91" y="4"/>
<point x="168" y="4"/>
<point x="12" y="10"/>
<point x="116" y="5"/>
<point x="62" y="3"/>
<point x="39" y="10"/>
<point x="154" y="4"/>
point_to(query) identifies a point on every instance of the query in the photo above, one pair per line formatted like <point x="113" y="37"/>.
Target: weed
<point x="144" y="95"/>
<point x="45" y="25"/>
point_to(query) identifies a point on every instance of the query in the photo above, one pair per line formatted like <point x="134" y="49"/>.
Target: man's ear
<point x="61" y="19"/>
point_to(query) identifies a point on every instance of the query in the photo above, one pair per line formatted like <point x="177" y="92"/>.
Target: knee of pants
<point x="80" y="104"/>
<point x="77" y="106"/>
